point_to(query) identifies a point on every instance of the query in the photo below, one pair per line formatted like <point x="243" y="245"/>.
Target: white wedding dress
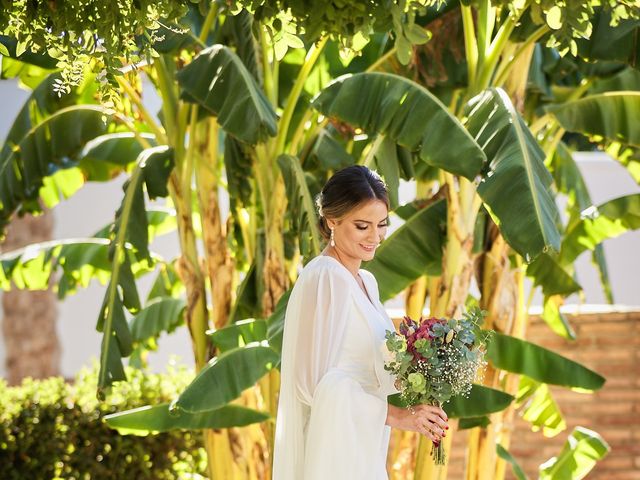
<point x="333" y="396"/>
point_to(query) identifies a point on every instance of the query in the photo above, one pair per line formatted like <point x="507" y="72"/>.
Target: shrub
<point x="50" y="429"/>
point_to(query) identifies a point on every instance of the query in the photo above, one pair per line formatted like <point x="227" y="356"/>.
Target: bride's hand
<point x="428" y="420"/>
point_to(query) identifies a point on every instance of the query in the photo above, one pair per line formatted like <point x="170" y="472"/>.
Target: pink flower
<point x="414" y="331"/>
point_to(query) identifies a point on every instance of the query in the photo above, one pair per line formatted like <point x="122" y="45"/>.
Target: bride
<point x="333" y="419"/>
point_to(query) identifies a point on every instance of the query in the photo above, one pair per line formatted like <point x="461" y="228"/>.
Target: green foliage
<point x="421" y="239"/>
<point x="219" y="82"/>
<point x="130" y="228"/>
<point x="78" y="32"/>
<point x="225" y="377"/>
<point x="49" y="145"/>
<point x="519" y="356"/>
<point x="516" y="188"/>
<point x="350" y="22"/>
<point x="53" y="429"/>
<point x="578" y="456"/>
<point x="390" y="105"/>
<point x="571" y="21"/>
<point x="300" y="200"/>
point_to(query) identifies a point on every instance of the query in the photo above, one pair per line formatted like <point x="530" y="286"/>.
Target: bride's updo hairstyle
<point x="346" y="189"/>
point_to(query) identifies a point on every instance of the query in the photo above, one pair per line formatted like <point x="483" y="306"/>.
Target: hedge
<point x="51" y="429"/>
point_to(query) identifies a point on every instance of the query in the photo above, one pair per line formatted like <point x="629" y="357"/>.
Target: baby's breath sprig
<point x="436" y="359"/>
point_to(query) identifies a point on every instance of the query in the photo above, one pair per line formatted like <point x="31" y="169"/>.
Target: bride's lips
<point x="368" y="248"/>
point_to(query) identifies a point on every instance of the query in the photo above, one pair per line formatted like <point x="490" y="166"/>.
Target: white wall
<point x="94" y="206"/>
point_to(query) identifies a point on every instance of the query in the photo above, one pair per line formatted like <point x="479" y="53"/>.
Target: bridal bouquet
<point x="435" y="359"/>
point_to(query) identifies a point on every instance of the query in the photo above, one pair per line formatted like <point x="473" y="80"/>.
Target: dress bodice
<point x="361" y="351"/>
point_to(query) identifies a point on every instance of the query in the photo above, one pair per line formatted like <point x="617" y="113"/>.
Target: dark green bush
<point x="50" y="429"/>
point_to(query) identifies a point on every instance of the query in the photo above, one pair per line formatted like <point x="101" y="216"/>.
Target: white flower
<point x="387" y="355"/>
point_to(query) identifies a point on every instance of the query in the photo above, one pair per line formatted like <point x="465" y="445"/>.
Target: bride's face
<point x="360" y="231"/>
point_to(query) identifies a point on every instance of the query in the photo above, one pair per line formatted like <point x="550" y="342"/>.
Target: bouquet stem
<point x="438" y="454"/>
<point x="437" y="449"/>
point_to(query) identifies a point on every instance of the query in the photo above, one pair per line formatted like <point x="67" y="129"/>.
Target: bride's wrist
<point x="396" y="416"/>
<point x="393" y="415"/>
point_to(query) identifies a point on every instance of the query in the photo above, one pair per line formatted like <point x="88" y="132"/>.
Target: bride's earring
<point x="332" y="241"/>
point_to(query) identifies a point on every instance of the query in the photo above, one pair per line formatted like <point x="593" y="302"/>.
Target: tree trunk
<point x="29" y="322"/>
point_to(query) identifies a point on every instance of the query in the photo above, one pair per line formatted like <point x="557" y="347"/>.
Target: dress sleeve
<point x="322" y="412"/>
<point x="322" y="317"/>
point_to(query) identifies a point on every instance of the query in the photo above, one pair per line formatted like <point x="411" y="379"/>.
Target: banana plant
<point x="239" y="114"/>
<point x="498" y="48"/>
<point x="221" y="86"/>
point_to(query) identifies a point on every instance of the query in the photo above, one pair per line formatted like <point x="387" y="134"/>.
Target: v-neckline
<point x="365" y="292"/>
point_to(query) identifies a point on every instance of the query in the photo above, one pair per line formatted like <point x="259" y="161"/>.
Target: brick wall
<point x="608" y="341"/>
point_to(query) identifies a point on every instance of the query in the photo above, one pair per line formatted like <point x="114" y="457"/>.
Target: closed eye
<point x="364" y="227"/>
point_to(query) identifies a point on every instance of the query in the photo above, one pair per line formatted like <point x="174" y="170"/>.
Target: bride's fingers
<point x="427" y="433"/>
<point x="436" y="419"/>
<point x="437" y="411"/>
<point x="437" y="431"/>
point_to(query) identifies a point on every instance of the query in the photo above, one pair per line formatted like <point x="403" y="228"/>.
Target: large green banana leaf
<point x="31" y="267"/>
<point x="104" y="157"/>
<point x="247" y="303"/>
<point x="382" y="103"/>
<point x="328" y="153"/>
<point x="625" y="80"/>
<point x="101" y="160"/>
<point x="516" y="185"/>
<point x="158" y="418"/>
<point x="42" y="103"/>
<point x="598" y="223"/>
<point x="239" y="334"/>
<point x="275" y="323"/>
<point x="613" y="115"/>
<point x="49" y="145"/>
<point x="152" y="170"/>
<point x="225" y="377"/>
<point x="218" y="81"/>
<point x="579" y="455"/>
<point x="519" y="356"/>
<point x="473" y="422"/>
<point x="569" y="181"/>
<point x="504" y="454"/>
<point x="388" y="166"/>
<point x="556" y="320"/>
<point x="547" y="272"/>
<point x="612" y="43"/>
<point x="160" y="315"/>
<point x="420" y="239"/>
<point x="238" y="169"/>
<point x="301" y="205"/>
<point x="539" y="407"/>
<point x="167" y="283"/>
<point x="74" y="262"/>
<point x="161" y="220"/>
<point x="480" y="402"/>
